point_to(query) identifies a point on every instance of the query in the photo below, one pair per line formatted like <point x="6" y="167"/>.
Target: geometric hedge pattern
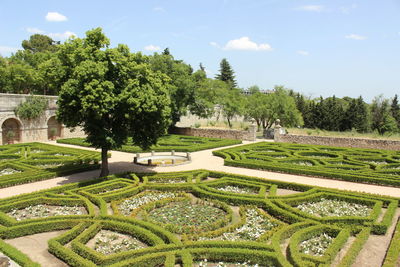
<point x="351" y="164"/>
<point x="166" y="143"/>
<point x="244" y="220"/>
<point x="28" y="162"/>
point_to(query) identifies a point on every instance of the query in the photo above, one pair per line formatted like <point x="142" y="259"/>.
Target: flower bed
<point x="316" y="246"/>
<point x="43" y="211"/>
<point x="187" y="217"/>
<point x="336" y="208"/>
<point x="109" y="242"/>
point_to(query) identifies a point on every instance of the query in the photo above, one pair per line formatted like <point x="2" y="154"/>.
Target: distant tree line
<point x="344" y="114"/>
<point x="43" y="67"/>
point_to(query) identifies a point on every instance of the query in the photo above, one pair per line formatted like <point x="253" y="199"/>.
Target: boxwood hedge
<point x="29" y="162"/>
<point x="349" y="164"/>
<point x="181" y="143"/>
<point x="277" y="245"/>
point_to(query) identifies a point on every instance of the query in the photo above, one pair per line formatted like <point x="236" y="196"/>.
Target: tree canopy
<point x="226" y="73"/>
<point x="112" y="94"/>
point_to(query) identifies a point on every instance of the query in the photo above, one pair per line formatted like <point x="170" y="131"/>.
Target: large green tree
<point x="226" y="73"/>
<point x="111" y="94"/>
<point x="40" y="43"/>
<point x="182" y="83"/>
<point x="267" y="108"/>
<point x="382" y="119"/>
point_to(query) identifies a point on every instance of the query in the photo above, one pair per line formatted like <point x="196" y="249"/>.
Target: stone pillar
<point x="277" y="131"/>
<point x="172" y="152"/>
<point x="252" y="131"/>
<point x="188" y="156"/>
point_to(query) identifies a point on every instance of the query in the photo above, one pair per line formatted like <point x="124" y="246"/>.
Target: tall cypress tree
<point x="395" y="110"/>
<point x="226" y="73"/>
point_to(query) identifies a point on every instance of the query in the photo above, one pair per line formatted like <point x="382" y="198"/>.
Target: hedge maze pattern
<point x="181" y="143"/>
<point x="137" y="220"/>
<point x="24" y="163"/>
<point x="351" y="164"/>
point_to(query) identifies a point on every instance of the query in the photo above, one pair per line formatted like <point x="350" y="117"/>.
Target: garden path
<point x="122" y="162"/>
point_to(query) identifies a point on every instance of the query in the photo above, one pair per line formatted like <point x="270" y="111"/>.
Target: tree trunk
<point x="104" y="162"/>
<point x="229" y="122"/>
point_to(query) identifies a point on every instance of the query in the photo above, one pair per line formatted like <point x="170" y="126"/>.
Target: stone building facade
<point x="44" y="128"/>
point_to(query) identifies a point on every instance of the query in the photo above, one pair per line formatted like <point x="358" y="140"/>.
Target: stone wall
<point x="338" y="141"/>
<point x="249" y="135"/>
<point x="30" y="130"/>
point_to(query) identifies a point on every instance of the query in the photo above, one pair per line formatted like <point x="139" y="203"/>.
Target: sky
<point x="331" y="47"/>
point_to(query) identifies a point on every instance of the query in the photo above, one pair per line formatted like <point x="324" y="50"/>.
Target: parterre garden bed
<point x="166" y="143"/>
<point x="28" y="162"/>
<point x="350" y="164"/>
<point x="229" y="220"/>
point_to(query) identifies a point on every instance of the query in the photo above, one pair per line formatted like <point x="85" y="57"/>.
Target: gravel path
<point x="122" y="161"/>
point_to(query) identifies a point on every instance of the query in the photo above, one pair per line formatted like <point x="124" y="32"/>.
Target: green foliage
<point x="179" y="143"/>
<point x="231" y="104"/>
<point x="168" y="249"/>
<point x="226" y="73"/>
<point x="40" y="43"/>
<point x="395" y="110"/>
<point x="181" y="85"/>
<point x="111" y="94"/>
<point x="382" y="119"/>
<point x="267" y="108"/>
<point x="33" y="107"/>
<point x="351" y="164"/>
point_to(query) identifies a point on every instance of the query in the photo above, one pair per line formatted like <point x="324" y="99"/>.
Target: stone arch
<point x="54" y="128"/>
<point x="11" y="131"/>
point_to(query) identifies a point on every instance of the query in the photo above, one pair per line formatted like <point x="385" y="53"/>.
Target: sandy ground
<point x="35" y="246"/>
<point x="122" y="161"/>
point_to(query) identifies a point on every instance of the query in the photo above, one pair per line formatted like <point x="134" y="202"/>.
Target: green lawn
<point x="199" y="217"/>
<point x="351" y="164"/>
<point x="181" y="143"/>
<point x="28" y="162"/>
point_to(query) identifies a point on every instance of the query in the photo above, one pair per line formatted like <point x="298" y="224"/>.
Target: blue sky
<point x="341" y="47"/>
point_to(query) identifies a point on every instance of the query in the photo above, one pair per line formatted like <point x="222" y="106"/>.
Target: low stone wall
<point x="249" y="135"/>
<point x="339" y="141"/>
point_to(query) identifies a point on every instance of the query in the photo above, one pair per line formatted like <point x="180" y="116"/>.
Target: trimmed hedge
<point x="179" y="143"/>
<point x="37" y="161"/>
<point x="349" y="164"/>
<point x="277" y="246"/>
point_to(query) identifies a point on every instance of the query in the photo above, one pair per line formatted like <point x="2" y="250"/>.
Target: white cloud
<point x="244" y="43"/>
<point x="303" y="53"/>
<point x="355" y="37"/>
<point x="214" y="44"/>
<point x="34" y="30"/>
<point x="158" y="9"/>
<point x="347" y="9"/>
<point x="55" y="16"/>
<point x="312" y="8"/>
<point x="7" y="50"/>
<point x="61" y="36"/>
<point x="152" y="48"/>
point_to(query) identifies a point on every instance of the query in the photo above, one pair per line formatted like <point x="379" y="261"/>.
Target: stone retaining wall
<point x="249" y="135"/>
<point x="31" y="130"/>
<point x="338" y="141"/>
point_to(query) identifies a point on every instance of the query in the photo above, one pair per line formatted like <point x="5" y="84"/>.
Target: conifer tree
<point x="226" y="73"/>
<point x="395" y="110"/>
